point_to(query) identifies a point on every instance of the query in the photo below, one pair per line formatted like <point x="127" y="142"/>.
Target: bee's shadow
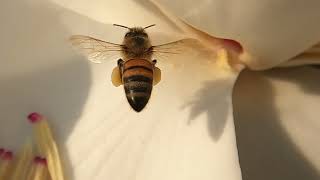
<point x="213" y="98"/>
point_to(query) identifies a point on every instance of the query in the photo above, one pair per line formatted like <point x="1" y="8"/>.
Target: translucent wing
<point x="175" y="48"/>
<point x="96" y="50"/>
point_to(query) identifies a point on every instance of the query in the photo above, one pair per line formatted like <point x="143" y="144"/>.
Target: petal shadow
<point x="266" y="150"/>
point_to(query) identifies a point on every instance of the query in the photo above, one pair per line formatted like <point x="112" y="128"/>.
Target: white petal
<point x="126" y="12"/>
<point x="186" y="132"/>
<point x="310" y="56"/>
<point x="277" y="123"/>
<point x="270" y="31"/>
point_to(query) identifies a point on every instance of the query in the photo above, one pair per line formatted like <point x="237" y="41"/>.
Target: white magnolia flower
<point x="187" y="130"/>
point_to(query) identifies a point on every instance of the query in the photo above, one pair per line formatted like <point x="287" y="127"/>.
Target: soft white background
<point x="275" y="112"/>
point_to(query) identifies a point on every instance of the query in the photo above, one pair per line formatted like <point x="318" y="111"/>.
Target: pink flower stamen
<point x="8" y="155"/>
<point x="37" y="159"/>
<point x="44" y="161"/>
<point x="40" y="161"/>
<point x="1" y="151"/>
<point x="35" y="117"/>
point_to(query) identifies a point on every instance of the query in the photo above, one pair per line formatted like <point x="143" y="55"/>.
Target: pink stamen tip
<point x="37" y="159"/>
<point x="1" y="151"/>
<point x="7" y="155"/>
<point x="35" y="117"/>
<point x="44" y="161"/>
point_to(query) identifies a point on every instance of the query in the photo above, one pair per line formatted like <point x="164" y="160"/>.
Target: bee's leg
<point x="116" y="76"/>
<point x="154" y="62"/>
<point x="120" y="62"/>
<point x="156" y="73"/>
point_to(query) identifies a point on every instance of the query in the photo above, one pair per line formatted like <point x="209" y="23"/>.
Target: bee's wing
<point x="175" y="48"/>
<point x="96" y="50"/>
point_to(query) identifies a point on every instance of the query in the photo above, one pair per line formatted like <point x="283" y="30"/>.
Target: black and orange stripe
<point x="137" y="78"/>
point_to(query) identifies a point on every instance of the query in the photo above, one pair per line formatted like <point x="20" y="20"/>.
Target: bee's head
<point x="136" y="38"/>
<point x="136" y="41"/>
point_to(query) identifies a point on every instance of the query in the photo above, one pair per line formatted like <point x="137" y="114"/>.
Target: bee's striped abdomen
<point x="137" y="77"/>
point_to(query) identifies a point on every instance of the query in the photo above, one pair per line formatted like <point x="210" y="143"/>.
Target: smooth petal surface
<point x="277" y="123"/>
<point x="126" y="12"/>
<point x="185" y="132"/>
<point x="310" y="56"/>
<point x="270" y="31"/>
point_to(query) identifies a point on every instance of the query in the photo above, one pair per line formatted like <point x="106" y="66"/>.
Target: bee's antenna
<point x="149" y="26"/>
<point x="121" y="26"/>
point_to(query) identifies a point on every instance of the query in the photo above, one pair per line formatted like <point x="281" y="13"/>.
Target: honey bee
<point x="136" y="70"/>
